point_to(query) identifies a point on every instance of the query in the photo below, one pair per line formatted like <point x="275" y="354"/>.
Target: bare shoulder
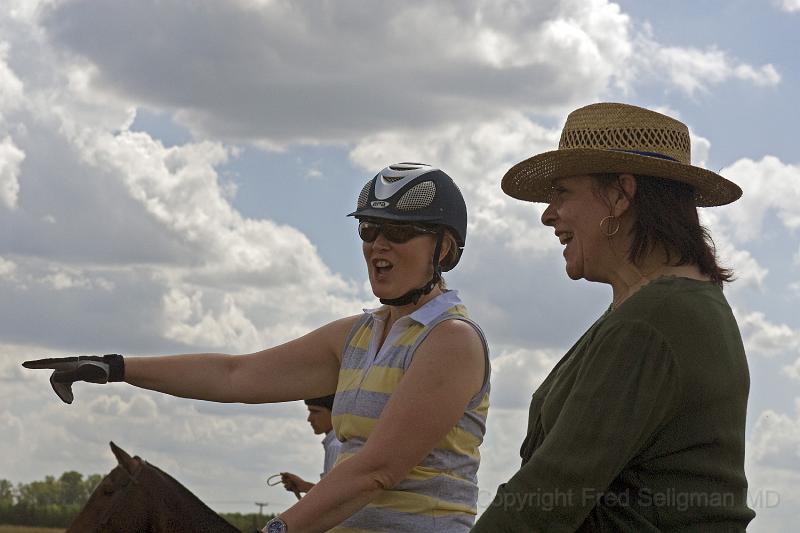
<point x="456" y="346"/>
<point x="456" y="333"/>
<point x="335" y="333"/>
<point x="342" y="325"/>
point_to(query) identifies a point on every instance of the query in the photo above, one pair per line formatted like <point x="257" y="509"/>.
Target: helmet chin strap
<point x="413" y="296"/>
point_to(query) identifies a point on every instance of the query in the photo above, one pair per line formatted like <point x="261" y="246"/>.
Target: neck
<point x="398" y="311"/>
<point x="629" y="278"/>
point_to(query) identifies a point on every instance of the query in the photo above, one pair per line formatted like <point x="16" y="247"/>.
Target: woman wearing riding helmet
<point x="411" y="378"/>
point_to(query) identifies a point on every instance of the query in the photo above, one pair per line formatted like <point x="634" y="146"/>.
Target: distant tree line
<point x="49" y="503"/>
<point x="54" y="502"/>
<point x="247" y="522"/>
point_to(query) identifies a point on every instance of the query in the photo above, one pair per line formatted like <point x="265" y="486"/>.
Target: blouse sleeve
<point x="626" y="388"/>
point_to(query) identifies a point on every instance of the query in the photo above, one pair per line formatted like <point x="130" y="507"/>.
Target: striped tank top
<point x="439" y="494"/>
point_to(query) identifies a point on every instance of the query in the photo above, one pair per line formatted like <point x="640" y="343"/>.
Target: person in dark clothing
<point x="640" y="426"/>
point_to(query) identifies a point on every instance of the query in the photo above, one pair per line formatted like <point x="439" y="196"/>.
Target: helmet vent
<point x="404" y="170"/>
<point x="417" y="197"/>
<point x="408" y="166"/>
<point x="364" y="196"/>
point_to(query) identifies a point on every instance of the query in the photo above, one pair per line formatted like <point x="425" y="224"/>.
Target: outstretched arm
<point x="447" y="371"/>
<point x="306" y="367"/>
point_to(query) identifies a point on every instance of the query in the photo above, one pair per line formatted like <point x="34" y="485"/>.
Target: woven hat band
<point x="672" y="144"/>
<point x="648" y="154"/>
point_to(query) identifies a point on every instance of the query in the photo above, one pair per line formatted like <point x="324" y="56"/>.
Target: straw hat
<point x="608" y="138"/>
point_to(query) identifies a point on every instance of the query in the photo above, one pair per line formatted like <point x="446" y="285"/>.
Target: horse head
<point x="115" y="501"/>
<point x="137" y="497"/>
<point x="131" y="465"/>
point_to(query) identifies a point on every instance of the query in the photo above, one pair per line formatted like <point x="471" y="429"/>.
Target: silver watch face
<point x="276" y="525"/>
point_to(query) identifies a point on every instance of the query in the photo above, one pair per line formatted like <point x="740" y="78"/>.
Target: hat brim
<point x="531" y="180"/>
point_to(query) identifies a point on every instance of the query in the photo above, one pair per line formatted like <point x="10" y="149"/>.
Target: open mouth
<point x="381" y="266"/>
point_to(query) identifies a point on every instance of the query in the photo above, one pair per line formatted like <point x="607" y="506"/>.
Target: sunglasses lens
<point x="400" y="234"/>
<point x="396" y="233"/>
<point x="368" y="231"/>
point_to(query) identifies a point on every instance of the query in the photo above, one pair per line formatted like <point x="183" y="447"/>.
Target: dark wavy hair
<point x="666" y="216"/>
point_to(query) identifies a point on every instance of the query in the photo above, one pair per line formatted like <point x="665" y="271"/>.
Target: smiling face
<point x="575" y="212"/>
<point x="396" y="268"/>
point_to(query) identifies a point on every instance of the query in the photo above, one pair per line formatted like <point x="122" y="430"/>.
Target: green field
<point x="27" y="529"/>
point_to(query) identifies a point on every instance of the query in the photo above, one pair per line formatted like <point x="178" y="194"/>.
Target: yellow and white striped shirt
<point x="439" y="494"/>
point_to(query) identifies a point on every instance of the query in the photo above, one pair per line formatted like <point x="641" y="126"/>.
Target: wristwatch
<point x="277" y="525"/>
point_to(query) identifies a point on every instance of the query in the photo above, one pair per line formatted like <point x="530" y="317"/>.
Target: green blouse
<point x="640" y="426"/>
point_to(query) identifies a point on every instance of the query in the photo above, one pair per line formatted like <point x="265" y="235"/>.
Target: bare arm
<point x="447" y="371"/>
<point x="307" y="367"/>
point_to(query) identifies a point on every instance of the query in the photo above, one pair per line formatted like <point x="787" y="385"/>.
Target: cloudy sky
<point x="174" y="177"/>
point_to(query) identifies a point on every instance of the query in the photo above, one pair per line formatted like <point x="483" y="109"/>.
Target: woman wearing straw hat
<point x="640" y="426"/>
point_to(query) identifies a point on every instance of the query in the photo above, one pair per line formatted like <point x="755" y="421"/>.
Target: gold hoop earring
<point x="611" y="219"/>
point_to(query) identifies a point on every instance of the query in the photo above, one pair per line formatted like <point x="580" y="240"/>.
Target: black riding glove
<point x="68" y="370"/>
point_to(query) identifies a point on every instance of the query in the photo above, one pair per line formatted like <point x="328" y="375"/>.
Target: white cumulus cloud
<point x="10" y="159"/>
<point x="769" y="185"/>
<point x="7" y="268"/>
<point x="11" y="87"/>
<point x="790" y="6"/>
<point x="694" y="70"/>
<point x="765" y="338"/>
<point x="793" y="370"/>
<point x="414" y="65"/>
<point x="776" y="436"/>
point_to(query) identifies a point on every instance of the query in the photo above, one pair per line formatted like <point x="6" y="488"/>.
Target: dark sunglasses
<point x="396" y="233"/>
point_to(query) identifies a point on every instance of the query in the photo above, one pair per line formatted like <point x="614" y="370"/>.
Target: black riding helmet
<point x="416" y="192"/>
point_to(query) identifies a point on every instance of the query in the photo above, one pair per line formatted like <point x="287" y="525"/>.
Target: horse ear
<point x="124" y="460"/>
